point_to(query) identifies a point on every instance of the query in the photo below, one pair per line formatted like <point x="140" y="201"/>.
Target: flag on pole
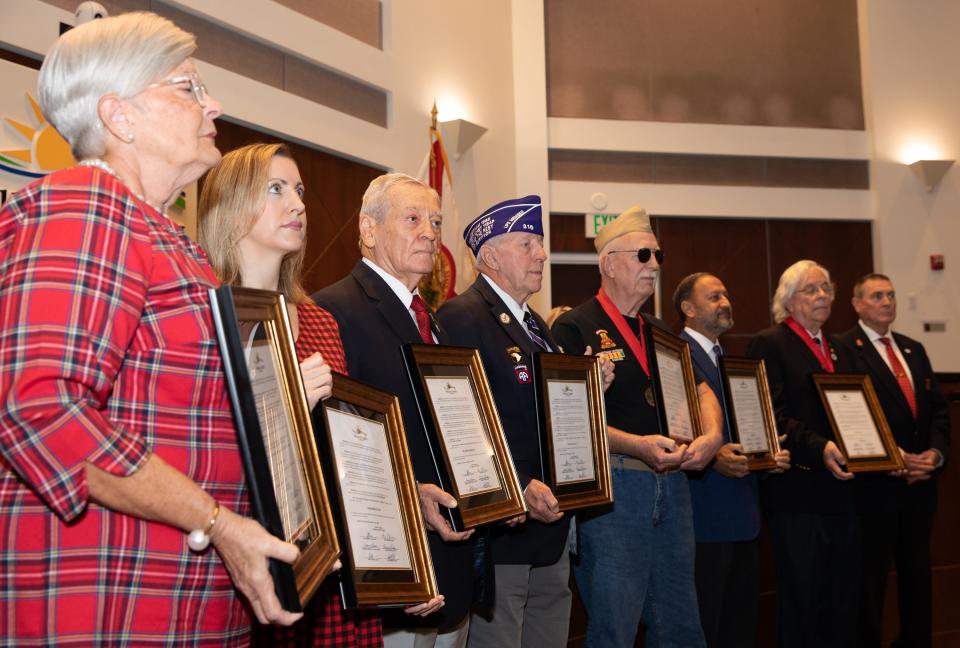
<point x="440" y="284"/>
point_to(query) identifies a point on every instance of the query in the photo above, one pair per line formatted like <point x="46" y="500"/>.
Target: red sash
<point x="635" y="342"/>
<point x="821" y="354"/>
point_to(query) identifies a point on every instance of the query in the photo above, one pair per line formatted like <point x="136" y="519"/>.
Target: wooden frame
<point x="737" y="375"/>
<point x="866" y="450"/>
<point x="270" y="410"/>
<point x="661" y="344"/>
<point x="558" y="377"/>
<point x="478" y="469"/>
<point x="377" y="510"/>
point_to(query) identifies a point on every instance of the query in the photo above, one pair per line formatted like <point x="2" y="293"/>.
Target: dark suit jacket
<point x="725" y="509"/>
<point x="373" y="326"/>
<point x="930" y="429"/>
<point x="475" y="319"/>
<point x="808" y="486"/>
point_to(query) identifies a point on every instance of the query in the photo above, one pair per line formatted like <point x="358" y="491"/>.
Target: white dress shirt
<point x="704" y="342"/>
<point x="874" y="337"/>
<point x="404" y="294"/>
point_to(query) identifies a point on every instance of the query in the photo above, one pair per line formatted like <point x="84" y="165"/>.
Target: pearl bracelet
<point x="198" y="540"/>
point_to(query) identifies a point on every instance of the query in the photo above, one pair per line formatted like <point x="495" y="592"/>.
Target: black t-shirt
<point x="588" y="325"/>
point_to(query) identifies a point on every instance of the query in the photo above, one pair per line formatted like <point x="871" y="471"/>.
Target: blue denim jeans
<point x="636" y="564"/>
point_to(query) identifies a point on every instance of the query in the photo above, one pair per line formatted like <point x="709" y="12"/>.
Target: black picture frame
<point x="235" y="312"/>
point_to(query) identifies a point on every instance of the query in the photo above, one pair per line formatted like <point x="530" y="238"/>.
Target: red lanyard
<point x="821" y="353"/>
<point x="635" y="342"/>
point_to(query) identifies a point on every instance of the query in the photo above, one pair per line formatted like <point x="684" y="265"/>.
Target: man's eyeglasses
<point x="196" y="85"/>
<point x="644" y="254"/>
<point x="827" y="289"/>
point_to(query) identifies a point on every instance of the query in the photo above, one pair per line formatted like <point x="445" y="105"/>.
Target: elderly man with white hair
<point x="636" y="559"/>
<point x="810" y="509"/>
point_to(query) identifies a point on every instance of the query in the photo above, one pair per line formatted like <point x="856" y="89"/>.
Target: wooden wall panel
<point x="736" y="62"/>
<point x="733" y="250"/>
<point x="728" y="170"/>
<point x="844" y="248"/>
<point x="334" y="187"/>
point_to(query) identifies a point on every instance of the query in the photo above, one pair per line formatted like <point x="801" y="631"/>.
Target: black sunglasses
<point x="643" y="254"/>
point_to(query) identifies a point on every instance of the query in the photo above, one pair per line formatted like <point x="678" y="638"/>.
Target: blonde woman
<point x="253" y="226"/>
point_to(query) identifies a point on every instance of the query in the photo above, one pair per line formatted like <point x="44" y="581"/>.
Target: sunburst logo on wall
<point x="44" y="149"/>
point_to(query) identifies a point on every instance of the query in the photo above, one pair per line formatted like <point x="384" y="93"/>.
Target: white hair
<point x="375" y="203"/>
<point x="789" y="282"/>
<point x="121" y="56"/>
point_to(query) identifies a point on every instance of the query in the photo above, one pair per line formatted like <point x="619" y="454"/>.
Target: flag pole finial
<point x="433" y="115"/>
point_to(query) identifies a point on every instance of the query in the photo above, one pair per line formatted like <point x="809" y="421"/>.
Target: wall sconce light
<point x="930" y="172"/>
<point x="460" y="135"/>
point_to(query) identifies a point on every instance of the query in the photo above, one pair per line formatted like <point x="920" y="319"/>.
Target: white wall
<point x="910" y="56"/>
<point x="458" y="52"/>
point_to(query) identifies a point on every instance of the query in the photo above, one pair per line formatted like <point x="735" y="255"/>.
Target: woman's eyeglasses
<point x="196" y="85"/>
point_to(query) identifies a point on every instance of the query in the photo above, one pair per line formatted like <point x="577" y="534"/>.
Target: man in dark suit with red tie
<point x="378" y="309"/>
<point x="896" y="511"/>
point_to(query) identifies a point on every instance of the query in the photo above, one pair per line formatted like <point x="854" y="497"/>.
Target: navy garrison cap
<point x="516" y="215"/>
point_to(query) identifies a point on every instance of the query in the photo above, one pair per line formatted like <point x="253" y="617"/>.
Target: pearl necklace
<point x="106" y="168"/>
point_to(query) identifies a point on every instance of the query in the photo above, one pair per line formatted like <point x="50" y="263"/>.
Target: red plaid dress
<point x="325" y="622"/>
<point x="107" y="354"/>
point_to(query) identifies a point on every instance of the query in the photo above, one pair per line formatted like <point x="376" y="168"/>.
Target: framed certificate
<point x="276" y="435"/>
<point x="573" y="429"/>
<point x="859" y="426"/>
<point x="464" y="433"/>
<point x="746" y="396"/>
<point x="374" y="498"/>
<point x="678" y="406"/>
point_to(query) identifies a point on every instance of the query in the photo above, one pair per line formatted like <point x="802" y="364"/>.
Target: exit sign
<point x="595" y="221"/>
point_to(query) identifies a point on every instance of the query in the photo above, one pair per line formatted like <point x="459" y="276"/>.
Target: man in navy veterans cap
<point x="532" y="596"/>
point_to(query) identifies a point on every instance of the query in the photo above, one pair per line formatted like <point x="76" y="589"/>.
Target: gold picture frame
<point x="276" y="436"/>
<point x="374" y="497"/>
<point x="574" y="452"/>
<point x="746" y="397"/>
<point x="865" y="441"/>
<point x="464" y="433"/>
<point x="678" y="406"/>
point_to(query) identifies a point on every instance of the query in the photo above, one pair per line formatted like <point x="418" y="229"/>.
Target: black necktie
<point x="534" y="331"/>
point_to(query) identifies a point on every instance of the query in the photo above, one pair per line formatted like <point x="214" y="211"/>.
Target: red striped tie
<point x="901" y="376"/>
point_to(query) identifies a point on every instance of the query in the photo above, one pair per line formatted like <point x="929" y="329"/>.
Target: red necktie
<point x="422" y="314"/>
<point x="901" y="376"/>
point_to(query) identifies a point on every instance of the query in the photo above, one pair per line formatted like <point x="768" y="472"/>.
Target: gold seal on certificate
<point x="671" y="366"/>
<point x="860" y="428"/>
<point x="275" y="434"/>
<point x="464" y="434"/>
<point x="573" y="429"/>
<point x="746" y="396"/>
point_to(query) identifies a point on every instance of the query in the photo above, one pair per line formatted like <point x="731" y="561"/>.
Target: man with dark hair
<point x="896" y="510"/>
<point x="726" y="513"/>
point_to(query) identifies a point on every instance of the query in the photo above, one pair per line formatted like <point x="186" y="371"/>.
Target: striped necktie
<point x="533" y="330"/>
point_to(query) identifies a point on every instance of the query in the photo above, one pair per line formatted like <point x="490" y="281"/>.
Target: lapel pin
<point x="859" y="343"/>
<point x="504" y="318"/>
<point x="907" y="351"/>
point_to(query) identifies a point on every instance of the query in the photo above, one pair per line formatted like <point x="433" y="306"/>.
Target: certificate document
<point x="745" y="393"/>
<point x="861" y="438"/>
<point x="465" y="440"/>
<point x="369" y="490"/>
<point x="283" y="454"/>
<point x="674" y="396"/>
<point x="571" y="436"/>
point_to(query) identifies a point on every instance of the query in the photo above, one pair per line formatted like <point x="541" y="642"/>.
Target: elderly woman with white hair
<point x="810" y="509"/>
<point x="119" y="462"/>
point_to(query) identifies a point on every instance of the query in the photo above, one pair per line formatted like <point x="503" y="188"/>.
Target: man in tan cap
<point x="636" y="558"/>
